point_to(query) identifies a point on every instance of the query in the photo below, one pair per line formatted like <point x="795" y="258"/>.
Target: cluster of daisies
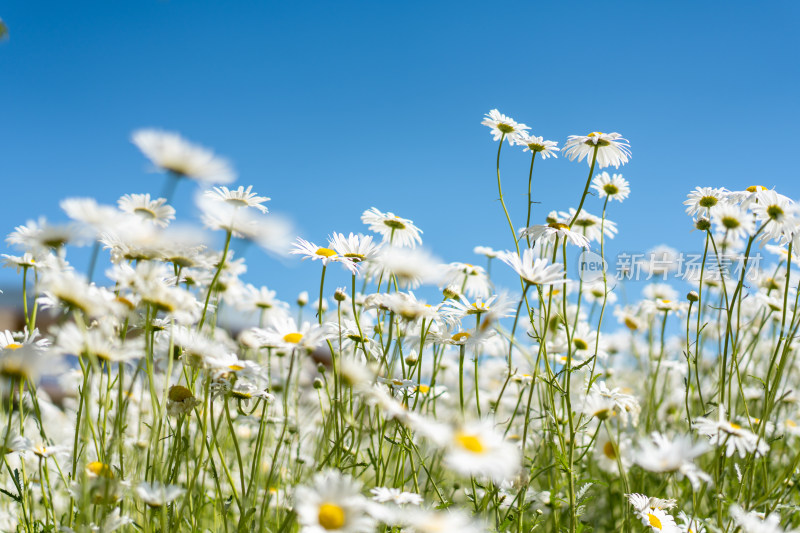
<point x="160" y="392"/>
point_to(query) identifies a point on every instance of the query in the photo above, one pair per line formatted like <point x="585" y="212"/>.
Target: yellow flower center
<point x="609" y="451"/>
<point x="631" y="323"/>
<point x="325" y="252"/>
<point x="756" y="188"/>
<point x="144" y="212"/>
<point x="735" y="426"/>
<point x="558" y="225"/>
<point x="425" y="388"/>
<point x="580" y="344"/>
<point x="293" y="338"/>
<point x="394" y="224"/>
<point x="178" y="393"/>
<point x="708" y="201"/>
<point x="331" y="516"/>
<point x="731" y="222"/>
<point x="99" y="469"/>
<point x="791" y="423"/>
<point x="610" y="189"/>
<point x="654" y="521"/>
<point x="13" y="346"/>
<point x="458" y="337"/>
<point x="505" y="128"/>
<point x="470" y="442"/>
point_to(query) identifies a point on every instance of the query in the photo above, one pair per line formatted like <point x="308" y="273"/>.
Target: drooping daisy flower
<point x="702" y="200"/>
<point x="485" y="251"/>
<point x="240" y="197"/>
<point x="477" y="449"/>
<point x="171" y="152"/>
<point x="502" y="125"/>
<point x="612" y="148"/>
<point x="537" y="145"/>
<point x="556" y="230"/>
<point x="155" y="211"/>
<point x="395" y="230"/>
<point x="615" y="186"/>
<point x="333" y="502"/>
<point x="533" y="270"/>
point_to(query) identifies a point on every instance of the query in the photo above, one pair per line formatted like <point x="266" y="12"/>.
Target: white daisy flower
<point x="450" y="520"/>
<point x="615" y="186"/>
<point x="355" y="248"/>
<point x="533" y="270"/>
<point x="485" y="251"/>
<point x="612" y="148"/>
<point x="171" y="152"/>
<point x="502" y="125"/>
<point x="410" y="267"/>
<point x="157" y="495"/>
<point x="40" y="236"/>
<point x="309" y="250"/>
<point x="781" y="213"/>
<point x="587" y="223"/>
<point x="661" y="454"/>
<point x="477" y="449"/>
<point x="702" y="200"/>
<point x="734" y="437"/>
<point x="537" y="145"/>
<point x="751" y="522"/>
<point x="395" y="230"/>
<point x="333" y="502"/>
<point x="155" y="211"/>
<point x="733" y="220"/>
<point x="556" y="230"/>
<point x="396" y="496"/>
<point x="469" y="279"/>
<point x="284" y="333"/>
<point x="240" y="197"/>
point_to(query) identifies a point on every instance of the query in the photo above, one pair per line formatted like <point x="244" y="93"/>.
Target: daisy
<point x="309" y="250"/>
<point x="733" y="220"/>
<point x="101" y="342"/>
<point x="499" y="306"/>
<point x="477" y="449"/>
<point x="652" y="512"/>
<point x="170" y="152"/>
<point x="450" y="520"/>
<point x="751" y="522"/>
<point x="702" y="200"/>
<point x="556" y="230"/>
<point x="731" y="435"/>
<point x="609" y="454"/>
<point x="689" y="524"/>
<point x="409" y="267"/>
<point x="39" y="236"/>
<point x="96" y="217"/>
<point x="355" y="248"/>
<point x="18" y="262"/>
<point x="284" y="333"/>
<point x="661" y="454"/>
<point x="503" y="126"/>
<point x="396" y="496"/>
<point x="155" y="211"/>
<point x="589" y="224"/>
<point x="157" y="495"/>
<point x="485" y="251"/>
<point x="781" y="213"/>
<point x="537" y="145"/>
<point x="240" y="197"/>
<point x="468" y="278"/>
<point x="615" y="187"/>
<point x="333" y="502"/>
<point x="533" y="270"/>
<point x="394" y="229"/>
<point x="611" y="148"/>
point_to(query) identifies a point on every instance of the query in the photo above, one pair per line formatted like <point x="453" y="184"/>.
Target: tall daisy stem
<point x="500" y="192"/>
<point x="585" y="189"/>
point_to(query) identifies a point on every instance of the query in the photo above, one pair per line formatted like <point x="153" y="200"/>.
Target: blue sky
<point x="330" y="108"/>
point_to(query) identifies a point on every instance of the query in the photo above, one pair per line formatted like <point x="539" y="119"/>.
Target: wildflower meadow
<point x="560" y="404"/>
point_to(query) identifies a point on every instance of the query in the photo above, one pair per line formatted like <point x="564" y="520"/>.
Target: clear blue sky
<point x="333" y="107"/>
